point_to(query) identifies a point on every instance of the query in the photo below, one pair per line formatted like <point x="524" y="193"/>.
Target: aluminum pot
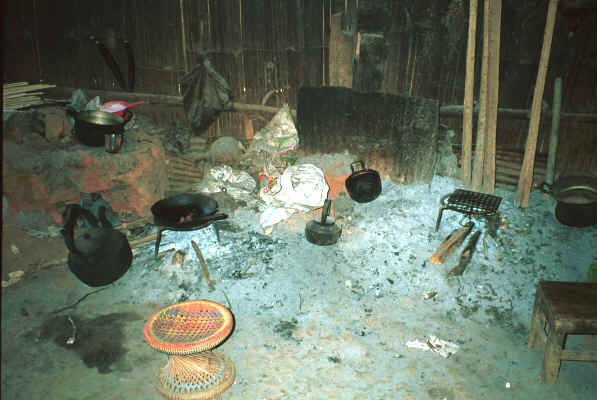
<point x="91" y="126"/>
<point x="363" y="185"/>
<point x="576" y="200"/>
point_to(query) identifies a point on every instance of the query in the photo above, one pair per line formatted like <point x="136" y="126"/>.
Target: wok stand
<point x="161" y="229"/>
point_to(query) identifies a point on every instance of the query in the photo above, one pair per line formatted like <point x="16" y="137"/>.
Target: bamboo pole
<point x="526" y="175"/>
<point x="514" y="113"/>
<point x="553" y="136"/>
<point x="469" y="84"/>
<point x="495" y="17"/>
<point x="14" y="84"/>
<point x="483" y="97"/>
<point x="27" y="88"/>
<point x="445" y="111"/>
<point x="184" y="41"/>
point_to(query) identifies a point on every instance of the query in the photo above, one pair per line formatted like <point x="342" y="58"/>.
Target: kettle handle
<point x="325" y="212"/>
<point x="71" y="215"/>
<point x="355" y="163"/>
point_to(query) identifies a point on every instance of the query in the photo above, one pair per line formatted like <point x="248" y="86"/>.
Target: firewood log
<point x="450" y="244"/>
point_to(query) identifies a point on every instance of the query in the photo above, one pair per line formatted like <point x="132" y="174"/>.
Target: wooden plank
<point x="341" y="57"/>
<point x="526" y="176"/>
<point x="185" y="175"/>
<point x="572" y="355"/>
<point x="513" y="171"/>
<point x="469" y="84"/>
<point x="518" y="166"/>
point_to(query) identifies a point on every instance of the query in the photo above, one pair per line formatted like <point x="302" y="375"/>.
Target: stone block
<point x="38" y="183"/>
<point x="54" y="126"/>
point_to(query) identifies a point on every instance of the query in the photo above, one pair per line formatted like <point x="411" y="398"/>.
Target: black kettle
<point x="100" y="255"/>
<point x="363" y="185"/>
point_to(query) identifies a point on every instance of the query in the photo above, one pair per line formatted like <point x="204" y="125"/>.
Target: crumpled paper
<point x="238" y="184"/>
<point x="435" y="345"/>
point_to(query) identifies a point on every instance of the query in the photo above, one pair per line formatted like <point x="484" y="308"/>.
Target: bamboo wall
<point x="258" y="45"/>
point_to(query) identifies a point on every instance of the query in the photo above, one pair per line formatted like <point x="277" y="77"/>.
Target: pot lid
<point x="100" y="118"/>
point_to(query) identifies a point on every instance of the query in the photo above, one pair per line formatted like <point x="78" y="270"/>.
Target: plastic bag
<point x="205" y="95"/>
<point x="303" y="186"/>
<point x="274" y="147"/>
<point x="279" y="136"/>
<point x="238" y="184"/>
<point x="299" y="188"/>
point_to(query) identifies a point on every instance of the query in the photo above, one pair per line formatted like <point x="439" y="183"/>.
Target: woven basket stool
<point x="187" y="332"/>
<point x="568" y="308"/>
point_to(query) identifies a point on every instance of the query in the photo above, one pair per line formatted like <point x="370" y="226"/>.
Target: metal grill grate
<point x="471" y="204"/>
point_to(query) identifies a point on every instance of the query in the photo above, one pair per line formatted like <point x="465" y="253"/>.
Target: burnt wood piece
<point x="211" y="284"/>
<point x="393" y="134"/>
<point x="450" y="244"/>
<point x="568" y="308"/>
<point x="465" y="256"/>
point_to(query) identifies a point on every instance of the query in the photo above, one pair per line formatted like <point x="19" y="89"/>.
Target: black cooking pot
<point x="92" y="126"/>
<point x="363" y="185"/>
<point x="576" y="200"/>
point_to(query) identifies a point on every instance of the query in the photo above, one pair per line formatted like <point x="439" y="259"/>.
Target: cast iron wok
<point x="186" y="211"/>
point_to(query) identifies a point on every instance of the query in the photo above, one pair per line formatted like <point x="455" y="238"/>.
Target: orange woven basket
<point x="188" y="327"/>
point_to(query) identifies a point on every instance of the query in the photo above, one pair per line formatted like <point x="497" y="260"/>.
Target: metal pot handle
<point x="355" y="163"/>
<point x="71" y="215"/>
<point x="546" y="188"/>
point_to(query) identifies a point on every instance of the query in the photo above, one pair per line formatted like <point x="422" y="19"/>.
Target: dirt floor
<point x="312" y="322"/>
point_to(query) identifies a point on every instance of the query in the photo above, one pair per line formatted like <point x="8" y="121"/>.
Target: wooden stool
<point x="568" y="308"/>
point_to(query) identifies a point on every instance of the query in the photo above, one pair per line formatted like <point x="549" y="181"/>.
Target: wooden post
<point x="482" y="124"/>
<point x="555" y="125"/>
<point x="340" y="54"/>
<point x="469" y="84"/>
<point x="526" y="173"/>
<point x="495" y="16"/>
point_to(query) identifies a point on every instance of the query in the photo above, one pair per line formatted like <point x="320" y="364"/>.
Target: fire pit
<point x="184" y="212"/>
